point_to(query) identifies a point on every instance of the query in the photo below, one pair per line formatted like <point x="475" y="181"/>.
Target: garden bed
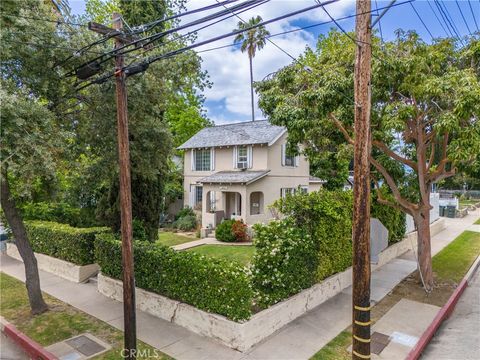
<point x="62" y="268"/>
<point x="242" y="335"/>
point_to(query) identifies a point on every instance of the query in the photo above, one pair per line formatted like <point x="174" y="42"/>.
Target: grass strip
<point x="61" y="322"/>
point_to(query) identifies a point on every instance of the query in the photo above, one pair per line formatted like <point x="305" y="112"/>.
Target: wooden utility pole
<point x="361" y="187"/>
<point x="130" y="331"/>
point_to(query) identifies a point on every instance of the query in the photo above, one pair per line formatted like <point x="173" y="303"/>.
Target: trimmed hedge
<point x="327" y="217"/>
<point x="224" y="231"/>
<point x="61" y="213"/>
<point x="284" y="263"/>
<point x="213" y="285"/>
<point x="62" y="241"/>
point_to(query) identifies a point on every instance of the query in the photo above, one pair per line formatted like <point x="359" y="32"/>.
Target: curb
<point x="443" y="314"/>
<point x="32" y="348"/>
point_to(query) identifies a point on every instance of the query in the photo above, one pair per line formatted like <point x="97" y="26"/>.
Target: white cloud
<point x="229" y="68"/>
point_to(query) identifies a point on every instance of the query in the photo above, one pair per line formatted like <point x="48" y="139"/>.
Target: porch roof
<point x="234" y="177"/>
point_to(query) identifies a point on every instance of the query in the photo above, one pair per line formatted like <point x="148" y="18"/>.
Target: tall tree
<point x="425" y="115"/>
<point x="32" y="139"/>
<point x="252" y="40"/>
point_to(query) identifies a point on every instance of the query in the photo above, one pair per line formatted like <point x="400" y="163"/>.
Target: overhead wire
<point x="438" y="19"/>
<point x="379" y="23"/>
<point x="151" y="38"/>
<point x="473" y="15"/>
<point x="46" y="20"/>
<point x="421" y="20"/>
<point x="451" y="20"/>
<point x="453" y="32"/>
<point x="463" y="17"/>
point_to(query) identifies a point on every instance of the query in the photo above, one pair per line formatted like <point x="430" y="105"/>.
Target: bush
<point x="327" y="217"/>
<point x="186" y="223"/>
<point x="223" y="231"/>
<point x="186" y="211"/>
<point x="240" y="231"/>
<point x="213" y="285"/>
<point x="59" y="212"/>
<point x="62" y="241"/>
<point x="284" y="263"/>
<point x="393" y="219"/>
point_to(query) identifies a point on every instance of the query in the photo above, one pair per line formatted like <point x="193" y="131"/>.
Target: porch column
<point x="243" y="193"/>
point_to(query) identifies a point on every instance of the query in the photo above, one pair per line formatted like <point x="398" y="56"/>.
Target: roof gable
<point x="244" y="133"/>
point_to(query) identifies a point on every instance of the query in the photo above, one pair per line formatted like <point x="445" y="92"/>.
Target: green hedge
<point x="59" y="212"/>
<point x="284" y="263"/>
<point x="394" y="220"/>
<point x="327" y="217"/>
<point x="62" y="241"/>
<point x="213" y="285"/>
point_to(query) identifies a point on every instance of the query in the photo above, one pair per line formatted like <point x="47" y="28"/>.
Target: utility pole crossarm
<point x="117" y="34"/>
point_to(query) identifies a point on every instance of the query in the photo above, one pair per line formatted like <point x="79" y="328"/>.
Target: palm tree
<point x="251" y="40"/>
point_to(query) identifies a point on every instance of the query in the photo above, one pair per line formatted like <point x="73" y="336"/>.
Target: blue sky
<point x="229" y="98"/>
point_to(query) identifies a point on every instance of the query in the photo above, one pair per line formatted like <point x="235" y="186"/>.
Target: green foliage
<point x="240" y="231"/>
<point x="186" y="223"/>
<point x="213" y="285"/>
<point x="62" y="241"/>
<point x="327" y="217"/>
<point x="59" y="212"/>
<point x="393" y="219"/>
<point x="186" y="211"/>
<point x="284" y="263"/>
<point x="224" y="231"/>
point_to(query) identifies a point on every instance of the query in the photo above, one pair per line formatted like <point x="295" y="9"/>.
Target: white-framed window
<point x="287" y="159"/>
<point x="286" y="191"/>
<point x="242" y="157"/>
<point x="196" y="196"/>
<point x="203" y="159"/>
<point x="303" y="189"/>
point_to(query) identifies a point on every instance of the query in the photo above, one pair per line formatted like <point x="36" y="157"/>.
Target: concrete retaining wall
<point x="62" y="268"/>
<point x="242" y="336"/>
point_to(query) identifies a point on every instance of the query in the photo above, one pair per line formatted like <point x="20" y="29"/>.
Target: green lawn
<point x="61" y="322"/>
<point x="455" y="259"/>
<point x="450" y="264"/>
<point x="477" y="222"/>
<point x="468" y="202"/>
<point x="170" y="238"/>
<point x="336" y="349"/>
<point x="241" y="253"/>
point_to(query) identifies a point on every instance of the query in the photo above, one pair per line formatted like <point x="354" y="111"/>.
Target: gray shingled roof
<point x="244" y="133"/>
<point x="234" y="177"/>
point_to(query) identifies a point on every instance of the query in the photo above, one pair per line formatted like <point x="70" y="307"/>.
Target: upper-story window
<point x="287" y="159"/>
<point x="242" y="157"/>
<point x="203" y="159"/>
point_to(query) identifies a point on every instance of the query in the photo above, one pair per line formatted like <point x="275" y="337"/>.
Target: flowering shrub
<point x="210" y="284"/>
<point x="231" y="231"/>
<point x="284" y="263"/>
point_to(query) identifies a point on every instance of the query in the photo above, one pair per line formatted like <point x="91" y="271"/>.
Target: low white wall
<point x="62" y="268"/>
<point x="435" y="201"/>
<point x="242" y="336"/>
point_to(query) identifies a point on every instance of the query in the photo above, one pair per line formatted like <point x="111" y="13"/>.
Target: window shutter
<point x="192" y="195"/>
<point x="212" y="159"/>
<point x="193" y="158"/>
<point x="250" y="156"/>
<point x="297" y="160"/>
<point x="283" y="154"/>
<point x="234" y="157"/>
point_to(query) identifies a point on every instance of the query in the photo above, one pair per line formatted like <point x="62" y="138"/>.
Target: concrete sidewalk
<point x="208" y="241"/>
<point x="300" y="339"/>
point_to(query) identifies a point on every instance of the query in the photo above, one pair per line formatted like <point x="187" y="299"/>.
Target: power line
<point x="463" y="17"/>
<point x="157" y="36"/>
<point x="421" y="20"/>
<point x="336" y="23"/>
<point x="46" y="20"/>
<point x="446" y="19"/>
<point x="46" y="46"/>
<point x="379" y="24"/>
<point x="270" y="41"/>
<point x="473" y="15"/>
<point x="451" y="20"/>
<point x="438" y="19"/>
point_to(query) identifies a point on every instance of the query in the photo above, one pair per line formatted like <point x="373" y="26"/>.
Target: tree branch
<point x="382" y="146"/>
<point x="406" y="205"/>
<point x="340" y="127"/>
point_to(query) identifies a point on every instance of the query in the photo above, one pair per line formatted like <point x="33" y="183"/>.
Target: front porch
<point x="232" y="200"/>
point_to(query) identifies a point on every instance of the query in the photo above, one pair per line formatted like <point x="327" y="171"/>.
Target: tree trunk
<point x="251" y="88"/>
<point x="424" y="251"/>
<point x="14" y="219"/>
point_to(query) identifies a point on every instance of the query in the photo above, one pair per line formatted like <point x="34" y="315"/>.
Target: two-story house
<point x="238" y="170"/>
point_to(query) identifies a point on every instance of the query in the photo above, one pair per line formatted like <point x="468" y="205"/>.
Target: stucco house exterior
<point x="236" y="171"/>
